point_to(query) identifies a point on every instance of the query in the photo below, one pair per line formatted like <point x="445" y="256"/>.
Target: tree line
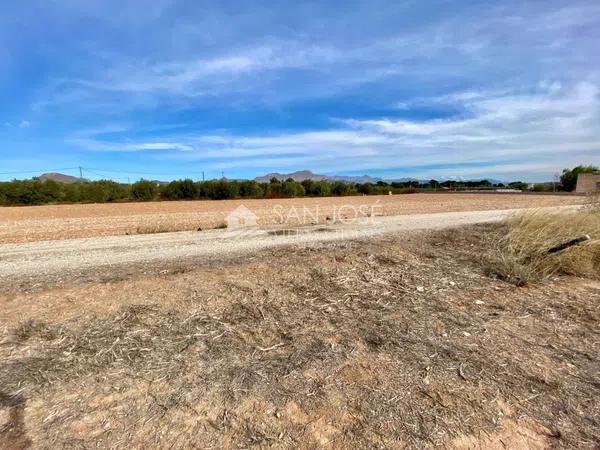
<point x="39" y="192"/>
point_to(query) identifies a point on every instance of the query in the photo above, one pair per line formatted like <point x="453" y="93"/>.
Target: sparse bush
<point x="521" y="254"/>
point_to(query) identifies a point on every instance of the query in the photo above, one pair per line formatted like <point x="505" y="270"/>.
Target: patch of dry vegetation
<point x="593" y="203"/>
<point x="51" y="222"/>
<point x="520" y="251"/>
<point x="388" y="343"/>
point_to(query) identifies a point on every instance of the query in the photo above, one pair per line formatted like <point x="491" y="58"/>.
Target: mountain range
<point x="302" y="175"/>
<point x="299" y="176"/>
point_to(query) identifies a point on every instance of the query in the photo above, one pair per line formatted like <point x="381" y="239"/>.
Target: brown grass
<point x="35" y="223"/>
<point x="388" y="343"/>
<point x="592" y="203"/>
<point x="520" y="250"/>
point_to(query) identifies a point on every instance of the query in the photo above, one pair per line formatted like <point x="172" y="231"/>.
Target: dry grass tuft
<point x="155" y="228"/>
<point x="166" y="227"/>
<point x="521" y="254"/>
<point x="593" y="203"/>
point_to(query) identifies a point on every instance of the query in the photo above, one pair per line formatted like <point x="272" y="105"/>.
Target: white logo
<point x="241" y="221"/>
<point x="241" y="217"/>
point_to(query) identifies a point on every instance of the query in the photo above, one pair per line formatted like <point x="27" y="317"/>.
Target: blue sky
<point x="167" y="88"/>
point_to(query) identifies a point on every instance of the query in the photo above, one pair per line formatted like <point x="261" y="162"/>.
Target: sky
<point x="168" y="89"/>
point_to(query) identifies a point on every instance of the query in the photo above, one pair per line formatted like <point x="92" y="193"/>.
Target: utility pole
<point x="222" y="174"/>
<point x="203" y="175"/>
<point x="80" y="173"/>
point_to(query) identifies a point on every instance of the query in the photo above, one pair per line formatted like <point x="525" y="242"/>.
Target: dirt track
<point x="36" y="223"/>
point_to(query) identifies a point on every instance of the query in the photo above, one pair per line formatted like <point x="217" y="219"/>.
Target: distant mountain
<point x="59" y="177"/>
<point x="299" y="175"/>
<point x="302" y="175"/>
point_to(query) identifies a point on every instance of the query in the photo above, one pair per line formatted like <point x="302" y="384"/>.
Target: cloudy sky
<point x="170" y="88"/>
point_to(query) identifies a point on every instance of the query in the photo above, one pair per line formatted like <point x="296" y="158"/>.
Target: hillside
<point x="59" y="177"/>
<point x="302" y="175"/>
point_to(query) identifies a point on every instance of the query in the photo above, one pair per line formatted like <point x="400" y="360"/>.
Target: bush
<point x="180" y="190"/>
<point x="251" y="189"/>
<point x="144" y="190"/>
<point x="520" y="255"/>
<point x="291" y="188"/>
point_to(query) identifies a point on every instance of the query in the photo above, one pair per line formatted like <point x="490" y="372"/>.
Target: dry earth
<point x="399" y="341"/>
<point x="36" y="265"/>
<point x="35" y="223"/>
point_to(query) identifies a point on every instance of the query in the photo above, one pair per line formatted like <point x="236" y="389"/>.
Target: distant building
<point x="588" y="183"/>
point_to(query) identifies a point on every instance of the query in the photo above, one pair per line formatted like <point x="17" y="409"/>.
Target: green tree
<point x="518" y="185"/>
<point x="291" y="188"/>
<point x="568" y="179"/>
<point x="340" y="188"/>
<point x="251" y="189"/>
<point x="144" y="190"/>
<point x="179" y="190"/>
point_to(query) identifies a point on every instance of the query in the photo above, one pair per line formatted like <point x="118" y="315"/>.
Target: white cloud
<point x="24" y="124"/>
<point x="499" y="134"/>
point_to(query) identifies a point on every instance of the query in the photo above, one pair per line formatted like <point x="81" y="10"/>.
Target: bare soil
<point x="399" y="341"/>
<point x="35" y="223"/>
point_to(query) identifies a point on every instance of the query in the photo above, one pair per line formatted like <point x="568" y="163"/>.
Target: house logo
<point x="241" y="221"/>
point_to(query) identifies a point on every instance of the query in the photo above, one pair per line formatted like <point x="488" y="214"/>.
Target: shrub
<point x="291" y="188"/>
<point x="180" y="190"/>
<point x="520" y="255"/>
<point x="144" y="190"/>
<point x="251" y="189"/>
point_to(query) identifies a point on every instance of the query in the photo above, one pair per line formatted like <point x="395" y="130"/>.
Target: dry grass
<point x="521" y="250"/>
<point x="593" y="203"/>
<point x="400" y="342"/>
<point x="171" y="227"/>
<point x="35" y="223"/>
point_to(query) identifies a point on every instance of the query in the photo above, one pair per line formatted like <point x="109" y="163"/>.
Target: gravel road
<point x="33" y="265"/>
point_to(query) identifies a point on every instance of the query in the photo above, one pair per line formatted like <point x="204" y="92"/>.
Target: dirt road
<point x="27" y="266"/>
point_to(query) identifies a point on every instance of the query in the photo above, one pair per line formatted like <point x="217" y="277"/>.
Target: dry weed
<point x="593" y="203"/>
<point x="521" y="253"/>
<point x="155" y="228"/>
<point x="397" y="342"/>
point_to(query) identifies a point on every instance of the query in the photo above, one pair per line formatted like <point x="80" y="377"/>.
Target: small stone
<point x="466" y="334"/>
<point x="479" y="302"/>
<point x="420" y="289"/>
